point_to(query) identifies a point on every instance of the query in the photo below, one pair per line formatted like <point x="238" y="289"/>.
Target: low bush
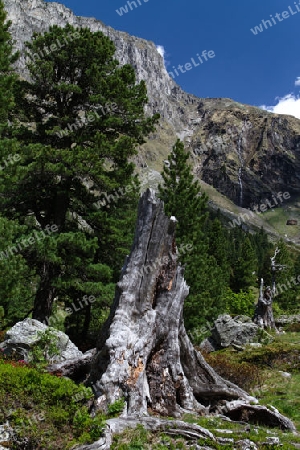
<point x="293" y="327"/>
<point x="44" y="409"/>
<point x="245" y="375"/>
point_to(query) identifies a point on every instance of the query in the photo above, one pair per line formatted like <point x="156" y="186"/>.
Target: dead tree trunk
<point x="144" y="353"/>
<point x="263" y="314"/>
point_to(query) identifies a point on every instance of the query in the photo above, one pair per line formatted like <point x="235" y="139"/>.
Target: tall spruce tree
<point x="15" y="277"/>
<point x="7" y="75"/>
<point x="81" y="117"/>
<point x="185" y="200"/>
<point x="243" y="261"/>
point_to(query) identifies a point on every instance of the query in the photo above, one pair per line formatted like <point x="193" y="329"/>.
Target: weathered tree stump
<point x="144" y="354"/>
<point x="263" y="315"/>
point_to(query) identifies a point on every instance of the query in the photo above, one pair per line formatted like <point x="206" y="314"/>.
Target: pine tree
<point x="7" y="75"/>
<point x="182" y="196"/>
<point x="15" y="277"/>
<point x="264" y="250"/>
<point x="244" y="262"/>
<point x="86" y="119"/>
<point x="185" y="200"/>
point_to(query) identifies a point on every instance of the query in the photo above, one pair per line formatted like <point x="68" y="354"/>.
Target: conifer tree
<point x="182" y="195"/>
<point x="7" y="75"/>
<point x="185" y="200"/>
<point x="81" y="117"/>
<point x="243" y="261"/>
<point x="15" y="277"/>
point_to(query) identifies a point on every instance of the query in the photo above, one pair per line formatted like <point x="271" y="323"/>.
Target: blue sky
<point x="256" y="69"/>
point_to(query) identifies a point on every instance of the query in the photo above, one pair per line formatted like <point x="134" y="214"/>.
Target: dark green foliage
<point x="114" y="409"/>
<point x="17" y="281"/>
<point x="88" y="116"/>
<point x="7" y="76"/>
<point x="243" y="261"/>
<point x="239" y="303"/>
<point x="182" y="195"/>
<point x="264" y="249"/>
<point x="287" y="289"/>
<point x="184" y="199"/>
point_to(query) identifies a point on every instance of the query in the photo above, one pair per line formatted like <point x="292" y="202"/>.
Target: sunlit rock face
<point x="246" y="153"/>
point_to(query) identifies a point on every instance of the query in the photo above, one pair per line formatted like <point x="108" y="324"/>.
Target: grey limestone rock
<point x="24" y="335"/>
<point x="238" y="331"/>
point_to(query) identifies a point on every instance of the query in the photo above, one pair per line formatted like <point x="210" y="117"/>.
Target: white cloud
<point x="161" y="51"/>
<point x="297" y="82"/>
<point x="289" y="104"/>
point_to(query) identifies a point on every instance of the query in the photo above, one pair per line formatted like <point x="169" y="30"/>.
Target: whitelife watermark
<point x="286" y="285"/>
<point x="261" y="208"/>
<point x="10" y="160"/>
<point x="265" y="24"/>
<point x="122" y="191"/>
<point x="86" y="119"/>
<point x="75" y="307"/>
<point x="24" y="243"/>
<point x="205" y="56"/>
<point x="34" y="419"/>
<point x="54" y="47"/>
<point x="152" y="266"/>
<point x="124" y="9"/>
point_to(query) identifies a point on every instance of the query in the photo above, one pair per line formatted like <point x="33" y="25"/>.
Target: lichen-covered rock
<point x="236" y="331"/>
<point x="22" y="337"/>
<point x="287" y="320"/>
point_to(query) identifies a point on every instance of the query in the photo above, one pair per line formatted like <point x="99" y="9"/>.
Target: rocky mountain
<point x="245" y="153"/>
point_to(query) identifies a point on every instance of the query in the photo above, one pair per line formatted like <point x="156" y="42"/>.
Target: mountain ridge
<point x="245" y="153"/>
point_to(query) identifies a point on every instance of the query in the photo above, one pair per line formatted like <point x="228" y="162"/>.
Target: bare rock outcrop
<point x="23" y="336"/>
<point x="233" y="331"/>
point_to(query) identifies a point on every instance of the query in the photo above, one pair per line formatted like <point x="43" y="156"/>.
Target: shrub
<point x="245" y="375"/>
<point x="43" y="409"/>
<point x="114" y="409"/>
<point x="294" y="327"/>
<point x="45" y="348"/>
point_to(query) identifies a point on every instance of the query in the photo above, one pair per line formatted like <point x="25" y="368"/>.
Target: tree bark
<point x="143" y="352"/>
<point x="263" y="315"/>
<point x="45" y="294"/>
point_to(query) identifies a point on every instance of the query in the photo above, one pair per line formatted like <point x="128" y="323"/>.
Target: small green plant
<point x="114" y="409"/>
<point x="44" y="349"/>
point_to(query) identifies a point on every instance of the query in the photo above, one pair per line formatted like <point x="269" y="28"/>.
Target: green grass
<point x="263" y="377"/>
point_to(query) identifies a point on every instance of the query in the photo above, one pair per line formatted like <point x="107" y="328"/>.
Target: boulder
<point x="283" y="320"/>
<point x="22" y="337"/>
<point x="237" y="331"/>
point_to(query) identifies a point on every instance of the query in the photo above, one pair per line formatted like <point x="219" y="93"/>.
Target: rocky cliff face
<point x="247" y="154"/>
